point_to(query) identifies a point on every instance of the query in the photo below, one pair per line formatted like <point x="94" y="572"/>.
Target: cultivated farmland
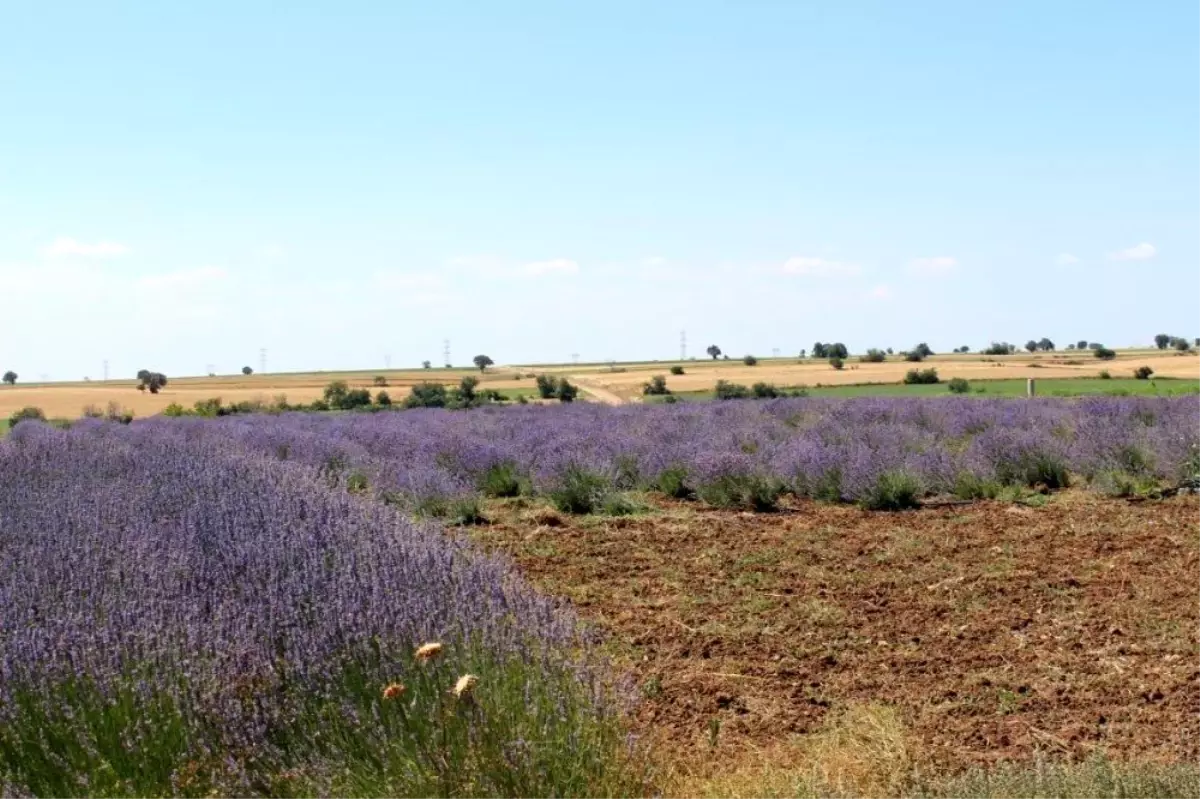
<point x="240" y="604"/>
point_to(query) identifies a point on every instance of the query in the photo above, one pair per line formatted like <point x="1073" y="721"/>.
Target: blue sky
<point x="182" y="184"/>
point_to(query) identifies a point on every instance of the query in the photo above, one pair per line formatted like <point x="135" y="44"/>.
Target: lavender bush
<point x="182" y="615"/>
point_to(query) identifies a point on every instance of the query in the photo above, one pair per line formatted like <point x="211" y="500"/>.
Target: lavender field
<point x="236" y="604"/>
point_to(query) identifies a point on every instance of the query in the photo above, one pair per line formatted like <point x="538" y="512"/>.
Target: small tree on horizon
<point x="482" y="362"/>
<point x="1046" y="345"/>
<point x="426" y="364"/>
<point x="714" y="351"/>
<point x="246" y="370"/>
<point x="1082" y="344"/>
<point x="10" y="377"/>
<point x="1031" y="345"/>
<point x="1162" y="340"/>
<point x="152" y="381"/>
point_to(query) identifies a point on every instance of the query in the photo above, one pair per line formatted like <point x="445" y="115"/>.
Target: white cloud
<point x="562" y="266"/>
<point x="936" y="265"/>
<point x="1066" y="259"/>
<point x="881" y="292"/>
<point x="64" y="247"/>
<point x="1140" y="252"/>
<point x="818" y="267"/>
<point x="186" y="278"/>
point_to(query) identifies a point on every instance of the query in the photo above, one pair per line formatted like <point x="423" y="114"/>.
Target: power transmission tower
<point x="262" y="360"/>
<point x="446" y="352"/>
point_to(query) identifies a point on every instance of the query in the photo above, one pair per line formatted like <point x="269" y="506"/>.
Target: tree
<point x="999" y="348"/>
<point x="1143" y="372"/>
<point x="838" y="350"/>
<point x="1031" y="345"/>
<point x="379" y="380"/>
<point x="246" y="370"/>
<point x="819" y="350"/>
<point x="1095" y="345"/>
<point x="924" y="349"/>
<point x="1104" y="353"/>
<point x="566" y="392"/>
<point x="714" y="351"/>
<point x="482" y="362"/>
<point x="152" y="381"/>
<point x="836" y="362"/>
<point x="426" y="365"/>
<point x="873" y="356"/>
<point x="1181" y="344"/>
<point x="10" y="377"/>
<point x="383" y="400"/>
<point x="1046" y="345"/>
<point x="750" y="360"/>
<point x="1081" y="344"/>
<point x="1162" y="340"/>
<point x="26" y="415"/>
<point x="913" y="356"/>
<point x="964" y="348"/>
<point x="656" y="387"/>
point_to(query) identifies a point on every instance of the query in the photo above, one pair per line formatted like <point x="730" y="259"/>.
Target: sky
<point x="350" y="184"/>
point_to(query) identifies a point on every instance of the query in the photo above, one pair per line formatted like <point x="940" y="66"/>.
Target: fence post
<point x="1029" y="387"/>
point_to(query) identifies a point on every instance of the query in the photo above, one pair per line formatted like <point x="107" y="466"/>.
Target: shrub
<point x="749" y="360"/>
<point x="672" y="481"/>
<point x="504" y="480"/>
<point x="670" y="399"/>
<point x="379" y="380"/>
<point x="1181" y="344"/>
<point x="837" y="363"/>
<point x="921" y="377"/>
<point x="1105" y="374"/>
<point x="566" y="392"/>
<point x="749" y="491"/>
<point x="923" y="349"/>
<point x="426" y="395"/>
<point x="873" y="356"/>
<point x="837" y="350"/>
<point x="913" y="356"/>
<point x="580" y="491"/>
<point x="764" y="391"/>
<point x="383" y="400"/>
<point x="174" y="409"/>
<point x="547" y="386"/>
<point x="1143" y="372"/>
<point x="656" y="387"/>
<point x="999" y="348"/>
<point x="892" y="491"/>
<point x="958" y="385"/>
<point x="677" y="370"/>
<point x="1105" y="354"/>
<point x="729" y="391"/>
<point x="27" y="414"/>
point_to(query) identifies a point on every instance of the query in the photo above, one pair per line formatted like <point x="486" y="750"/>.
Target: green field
<point x="1052" y="387"/>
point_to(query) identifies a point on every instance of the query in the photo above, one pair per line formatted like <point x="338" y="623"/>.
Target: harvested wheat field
<point x="703" y="375"/>
<point x="68" y="400"/>
<point x="975" y="633"/>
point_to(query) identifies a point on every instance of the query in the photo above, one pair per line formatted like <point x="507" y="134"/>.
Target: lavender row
<point x="832" y="449"/>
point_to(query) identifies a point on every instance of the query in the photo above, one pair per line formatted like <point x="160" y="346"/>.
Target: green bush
<point x="672" y="481"/>
<point x="383" y="399"/>
<point x="426" y="395"/>
<point x="656" y="387"/>
<point x="580" y="491"/>
<point x="873" y="356"/>
<point x="764" y="391"/>
<point x="958" y="385"/>
<point x="921" y="377"/>
<point x="892" y="491"/>
<point x="912" y="356"/>
<point x="677" y="370"/>
<point x="379" y="380"/>
<point x="748" y="491"/>
<point x="1105" y="354"/>
<point x="728" y="391"/>
<point x="1143" y="372"/>
<point x="750" y="360"/>
<point x="27" y="414"/>
<point x="837" y="362"/>
<point x="1105" y="374"/>
<point x="547" y="386"/>
<point x="504" y="480"/>
<point x="566" y="392"/>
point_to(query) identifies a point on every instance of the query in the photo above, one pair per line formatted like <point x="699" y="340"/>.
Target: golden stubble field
<point x="701" y="375"/>
<point x="599" y="382"/>
<point x="69" y="399"/>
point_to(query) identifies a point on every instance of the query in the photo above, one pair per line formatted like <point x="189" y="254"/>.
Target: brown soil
<point x="995" y="629"/>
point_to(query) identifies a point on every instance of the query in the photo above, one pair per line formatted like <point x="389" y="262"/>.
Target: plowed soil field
<point x="995" y="629"/>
